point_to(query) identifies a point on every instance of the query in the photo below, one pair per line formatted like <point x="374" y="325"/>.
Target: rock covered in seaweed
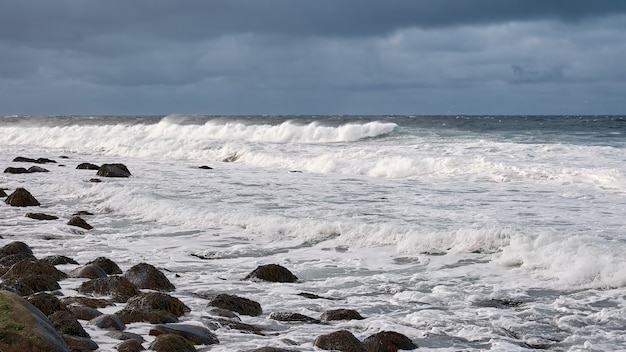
<point x="153" y="307"/>
<point x="118" y="287"/>
<point x="146" y="276"/>
<point x="237" y="304"/>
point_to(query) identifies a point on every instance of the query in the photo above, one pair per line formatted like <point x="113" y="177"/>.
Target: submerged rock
<point x="108" y="321"/>
<point x="16" y="170"/>
<point x="87" y="166"/>
<point x="21" y="198"/>
<point x="287" y="316"/>
<point x="34" y="169"/>
<point x="197" y="335"/>
<point x="41" y="216"/>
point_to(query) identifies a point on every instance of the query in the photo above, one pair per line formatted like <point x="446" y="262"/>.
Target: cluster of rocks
<point x="35" y="316"/>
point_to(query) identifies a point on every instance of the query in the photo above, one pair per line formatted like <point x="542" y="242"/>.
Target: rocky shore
<point x="43" y="308"/>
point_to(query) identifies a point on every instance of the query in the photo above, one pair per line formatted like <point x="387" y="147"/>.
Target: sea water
<point x="503" y="233"/>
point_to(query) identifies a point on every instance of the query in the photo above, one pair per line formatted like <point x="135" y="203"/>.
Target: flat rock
<point x="34" y="169"/>
<point x="293" y="317"/>
<point x="41" y="216"/>
<point x="198" y="335"/>
<point x="341" y="314"/>
<point x="16" y="170"/>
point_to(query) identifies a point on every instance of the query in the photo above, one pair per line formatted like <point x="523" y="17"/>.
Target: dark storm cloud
<point x="268" y="56"/>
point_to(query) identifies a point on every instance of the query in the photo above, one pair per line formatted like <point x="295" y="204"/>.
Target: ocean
<point x="464" y="233"/>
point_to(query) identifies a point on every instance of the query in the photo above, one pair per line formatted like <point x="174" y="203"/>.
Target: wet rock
<point x="108" y="321"/>
<point x="58" y="260"/>
<point x="84" y="313"/>
<point x="34" y="267"/>
<point x="29" y="284"/>
<point x="119" y="288"/>
<point x="88" y="271"/>
<point x="215" y="324"/>
<point x="237" y="304"/>
<point x="197" y="335"/>
<point x="146" y="276"/>
<point x="205" y="167"/>
<point x="288" y="316"/>
<point x="80" y="344"/>
<point x="342" y="340"/>
<point x="79" y="222"/>
<point x="41" y="216"/>
<point x="21" y="198"/>
<point x="152" y="307"/>
<point x="341" y="314"/>
<point x="171" y="343"/>
<point x="21" y="159"/>
<point x="270" y="349"/>
<point x="34" y="169"/>
<point x="272" y="273"/>
<point x="113" y="170"/>
<point x="312" y="296"/>
<point x="86" y="302"/>
<point x="95" y="180"/>
<point x="87" y="166"/>
<point x="224" y="313"/>
<point x="107" y="264"/>
<point x="16" y="170"/>
<point x="130" y="346"/>
<point x="14" y="252"/>
<point x="82" y="213"/>
<point x="124" y="335"/>
<point x="67" y="324"/>
<point x="46" y="303"/>
<point x="3" y="193"/>
<point x="388" y="341"/>
<point x="24" y="328"/>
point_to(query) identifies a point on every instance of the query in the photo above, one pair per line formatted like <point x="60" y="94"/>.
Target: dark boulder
<point x="388" y="341"/>
<point x="293" y="317"/>
<point x="197" y="335"/>
<point x="108" y="321"/>
<point x="171" y="343"/>
<point x="21" y="198"/>
<point x="58" y="260"/>
<point x="41" y="216"/>
<point x="272" y="273"/>
<point x="87" y="166"/>
<point x="341" y="314"/>
<point x="34" y="169"/>
<point x="14" y="252"/>
<point x="107" y="264"/>
<point x="34" y="267"/>
<point x="224" y="313"/>
<point x="80" y="344"/>
<point x="88" y="271"/>
<point x="342" y="340"/>
<point x="146" y="276"/>
<point x="79" y="222"/>
<point x="237" y="304"/>
<point x="21" y="159"/>
<point x="3" y="193"/>
<point x="86" y="302"/>
<point x="113" y="170"/>
<point x="16" y="170"/>
<point x="124" y="335"/>
<point x="29" y="284"/>
<point x="25" y="328"/>
<point x="270" y="349"/>
<point x="46" y="303"/>
<point x="67" y="324"/>
<point x="119" y="288"/>
<point x="153" y="307"/>
<point x="130" y="345"/>
<point x="84" y="313"/>
<point x="216" y="323"/>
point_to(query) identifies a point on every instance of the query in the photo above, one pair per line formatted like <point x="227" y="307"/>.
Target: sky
<point x="238" y="57"/>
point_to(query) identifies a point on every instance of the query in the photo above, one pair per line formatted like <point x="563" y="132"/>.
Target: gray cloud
<point x="323" y="56"/>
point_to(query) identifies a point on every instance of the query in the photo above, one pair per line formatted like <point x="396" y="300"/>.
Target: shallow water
<point x="461" y="233"/>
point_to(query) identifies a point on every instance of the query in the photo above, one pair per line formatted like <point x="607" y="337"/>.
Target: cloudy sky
<point x="313" y="57"/>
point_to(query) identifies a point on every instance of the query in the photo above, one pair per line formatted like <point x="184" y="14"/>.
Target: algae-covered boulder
<point x="24" y="328"/>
